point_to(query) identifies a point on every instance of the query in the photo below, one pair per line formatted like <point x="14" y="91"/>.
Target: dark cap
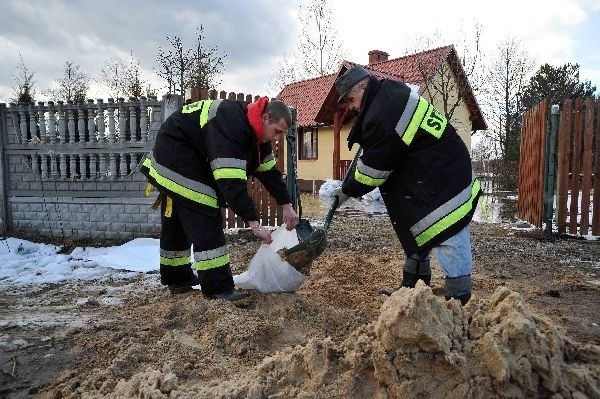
<point x="351" y="77"/>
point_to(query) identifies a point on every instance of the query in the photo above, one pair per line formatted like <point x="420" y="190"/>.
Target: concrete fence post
<point x="3" y="168"/>
<point x="170" y="103"/>
<point x="550" y="170"/>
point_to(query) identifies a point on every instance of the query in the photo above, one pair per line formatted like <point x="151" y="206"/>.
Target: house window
<point x="308" y="143"/>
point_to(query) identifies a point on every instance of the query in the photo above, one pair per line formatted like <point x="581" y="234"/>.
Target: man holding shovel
<point x="423" y="170"/>
<point x="200" y="162"/>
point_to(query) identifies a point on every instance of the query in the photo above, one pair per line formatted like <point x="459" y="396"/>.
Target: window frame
<point x="314" y="132"/>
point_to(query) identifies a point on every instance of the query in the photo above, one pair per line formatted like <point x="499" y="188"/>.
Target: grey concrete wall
<point x="96" y="191"/>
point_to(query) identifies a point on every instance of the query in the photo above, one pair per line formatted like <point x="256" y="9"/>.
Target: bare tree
<point x="442" y="84"/>
<point x="23" y="86"/>
<point x="123" y="77"/>
<point x="183" y="68"/>
<point x="318" y="44"/>
<point x="206" y="64"/>
<point x="318" y="50"/>
<point x="166" y="69"/>
<point x="110" y="75"/>
<point x="175" y="64"/>
<point x="506" y="81"/>
<point x="286" y="72"/>
<point x="72" y="85"/>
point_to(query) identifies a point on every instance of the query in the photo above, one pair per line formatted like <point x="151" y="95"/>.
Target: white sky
<point x="256" y="34"/>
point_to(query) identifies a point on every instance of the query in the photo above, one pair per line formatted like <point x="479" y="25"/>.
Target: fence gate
<point x="567" y="150"/>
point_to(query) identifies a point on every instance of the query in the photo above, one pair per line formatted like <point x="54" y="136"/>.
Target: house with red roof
<point x="323" y="125"/>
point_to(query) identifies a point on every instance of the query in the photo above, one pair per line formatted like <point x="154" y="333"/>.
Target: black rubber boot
<point x="414" y="271"/>
<point x="458" y="288"/>
<point x="238" y="298"/>
<point x="462" y="298"/>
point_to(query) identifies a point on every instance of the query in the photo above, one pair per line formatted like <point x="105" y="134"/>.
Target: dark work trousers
<point x="184" y="228"/>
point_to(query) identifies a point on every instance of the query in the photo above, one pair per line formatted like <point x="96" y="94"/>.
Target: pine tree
<point x="556" y="84"/>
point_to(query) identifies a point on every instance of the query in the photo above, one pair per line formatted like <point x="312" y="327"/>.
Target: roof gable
<point x="315" y="99"/>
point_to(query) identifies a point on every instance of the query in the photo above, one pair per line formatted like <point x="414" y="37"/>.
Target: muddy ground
<point x="530" y="330"/>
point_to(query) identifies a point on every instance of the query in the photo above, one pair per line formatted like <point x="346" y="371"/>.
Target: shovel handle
<point x="336" y="200"/>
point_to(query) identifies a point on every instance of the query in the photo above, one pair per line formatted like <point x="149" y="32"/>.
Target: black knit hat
<point x="351" y="77"/>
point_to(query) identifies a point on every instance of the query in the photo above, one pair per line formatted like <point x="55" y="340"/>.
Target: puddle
<point x="492" y="208"/>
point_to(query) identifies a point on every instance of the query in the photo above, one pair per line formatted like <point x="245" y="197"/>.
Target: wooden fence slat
<point x="596" y="199"/>
<point x="531" y="166"/>
<point x="586" y="159"/>
<point x="564" y="149"/>
<point x="576" y="167"/>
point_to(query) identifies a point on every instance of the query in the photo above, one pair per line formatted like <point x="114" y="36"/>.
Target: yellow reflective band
<point x="174" y="261"/>
<point x="204" y="113"/>
<point x="367" y="180"/>
<point x="189" y="108"/>
<point x="450" y="218"/>
<point x="229" y="173"/>
<point x="266" y="166"/>
<point x="169" y="207"/>
<point x="415" y="121"/>
<point x="148" y="189"/>
<point x="178" y="188"/>
<point x="434" y="122"/>
<point x="212" y="263"/>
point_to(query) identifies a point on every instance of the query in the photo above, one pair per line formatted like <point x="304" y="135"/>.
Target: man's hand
<point x="263" y="233"/>
<point x="341" y="196"/>
<point x="290" y="218"/>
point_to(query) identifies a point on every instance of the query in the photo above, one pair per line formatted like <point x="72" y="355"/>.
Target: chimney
<point x="377" y="56"/>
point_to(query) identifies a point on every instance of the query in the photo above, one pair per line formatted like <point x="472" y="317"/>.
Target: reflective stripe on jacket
<point x="204" y="154"/>
<point x="421" y="165"/>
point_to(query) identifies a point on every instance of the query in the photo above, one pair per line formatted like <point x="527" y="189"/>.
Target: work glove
<point x="290" y="218"/>
<point x="340" y="195"/>
<point x="263" y="233"/>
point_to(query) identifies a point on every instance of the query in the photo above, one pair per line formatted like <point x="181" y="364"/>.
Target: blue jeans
<point x="454" y="255"/>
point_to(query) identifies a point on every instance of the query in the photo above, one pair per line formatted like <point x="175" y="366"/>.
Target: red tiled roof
<point x="315" y="98"/>
<point x="307" y="97"/>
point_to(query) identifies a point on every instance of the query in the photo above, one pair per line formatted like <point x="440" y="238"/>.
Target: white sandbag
<point x="268" y="272"/>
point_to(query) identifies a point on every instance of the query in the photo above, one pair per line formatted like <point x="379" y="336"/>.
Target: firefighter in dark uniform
<point x="201" y="160"/>
<point x="423" y="170"/>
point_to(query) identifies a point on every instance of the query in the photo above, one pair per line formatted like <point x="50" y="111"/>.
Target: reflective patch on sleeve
<point x="193" y="107"/>
<point x="370" y="176"/>
<point x="229" y="168"/>
<point x="268" y="163"/>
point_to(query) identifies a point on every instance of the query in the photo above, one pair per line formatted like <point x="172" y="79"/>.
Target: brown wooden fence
<point x="577" y="197"/>
<point x="269" y="212"/>
<point x="578" y="174"/>
<point x="531" y="166"/>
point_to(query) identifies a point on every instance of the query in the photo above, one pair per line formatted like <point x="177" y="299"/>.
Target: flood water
<point x="493" y="207"/>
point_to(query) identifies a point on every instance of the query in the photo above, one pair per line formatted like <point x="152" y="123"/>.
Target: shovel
<point x="313" y="243"/>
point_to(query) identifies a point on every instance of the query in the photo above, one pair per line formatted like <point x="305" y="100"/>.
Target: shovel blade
<point x="301" y="256"/>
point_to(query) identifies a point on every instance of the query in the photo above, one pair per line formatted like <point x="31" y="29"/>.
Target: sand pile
<point x="420" y="346"/>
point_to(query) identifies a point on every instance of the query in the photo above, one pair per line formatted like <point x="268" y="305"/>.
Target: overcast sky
<point x="256" y="34"/>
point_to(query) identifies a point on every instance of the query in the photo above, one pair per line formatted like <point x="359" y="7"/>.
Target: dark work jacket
<point x="203" y="155"/>
<point x="419" y="162"/>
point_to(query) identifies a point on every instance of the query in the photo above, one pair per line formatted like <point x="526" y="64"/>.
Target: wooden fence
<point x="579" y="167"/>
<point x="577" y="196"/>
<point x="531" y="167"/>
